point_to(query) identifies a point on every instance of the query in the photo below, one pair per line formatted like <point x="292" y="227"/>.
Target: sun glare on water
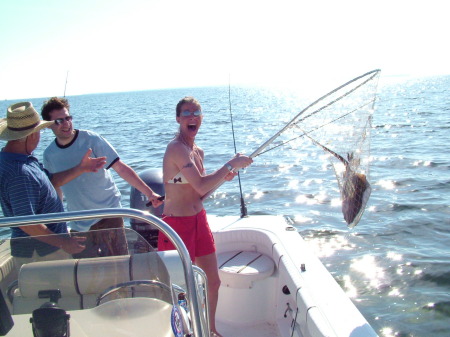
<point x="386" y="184"/>
<point x="367" y="266"/>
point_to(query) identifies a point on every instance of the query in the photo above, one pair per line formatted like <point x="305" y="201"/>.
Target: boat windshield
<point x="115" y="285"/>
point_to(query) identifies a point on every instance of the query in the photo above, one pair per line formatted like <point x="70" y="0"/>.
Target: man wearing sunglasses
<point x="90" y="191"/>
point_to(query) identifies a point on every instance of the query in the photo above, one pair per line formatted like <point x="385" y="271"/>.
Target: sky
<point x="111" y="46"/>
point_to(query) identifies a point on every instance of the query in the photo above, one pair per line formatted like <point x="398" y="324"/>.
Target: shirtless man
<point x="185" y="182"/>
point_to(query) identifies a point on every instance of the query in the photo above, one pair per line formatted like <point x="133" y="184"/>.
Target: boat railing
<point x="188" y="270"/>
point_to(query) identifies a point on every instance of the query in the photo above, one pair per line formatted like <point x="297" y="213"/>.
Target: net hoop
<point x="370" y="75"/>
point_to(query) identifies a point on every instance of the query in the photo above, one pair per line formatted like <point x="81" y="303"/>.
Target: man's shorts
<point x="193" y="230"/>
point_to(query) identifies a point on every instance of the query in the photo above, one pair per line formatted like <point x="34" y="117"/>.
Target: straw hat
<point x="21" y="120"/>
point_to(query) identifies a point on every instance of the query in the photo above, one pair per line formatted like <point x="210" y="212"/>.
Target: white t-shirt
<point x="91" y="190"/>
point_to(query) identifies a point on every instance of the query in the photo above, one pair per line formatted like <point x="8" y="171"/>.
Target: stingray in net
<point x="340" y="123"/>
<point x="354" y="187"/>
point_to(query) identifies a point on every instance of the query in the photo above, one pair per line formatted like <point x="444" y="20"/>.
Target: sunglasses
<point x="187" y="113"/>
<point x="59" y="121"/>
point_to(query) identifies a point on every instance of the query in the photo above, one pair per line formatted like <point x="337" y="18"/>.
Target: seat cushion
<point x="239" y="269"/>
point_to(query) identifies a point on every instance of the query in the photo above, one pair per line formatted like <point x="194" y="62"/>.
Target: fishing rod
<point x="243" y="207"/>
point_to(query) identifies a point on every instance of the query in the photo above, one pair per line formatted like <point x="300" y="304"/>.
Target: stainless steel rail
<point x="133" y="214"/>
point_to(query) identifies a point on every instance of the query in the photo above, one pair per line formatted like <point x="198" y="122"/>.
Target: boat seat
<point x="7" y="267"/>
<point x="81" y="281"/>
<point x="240" y="269"/>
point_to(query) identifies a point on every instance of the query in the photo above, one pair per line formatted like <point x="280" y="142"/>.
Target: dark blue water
<point x="395" y="264"/>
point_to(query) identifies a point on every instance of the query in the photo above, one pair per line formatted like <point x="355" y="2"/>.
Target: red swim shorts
<point x="193" y="230"/>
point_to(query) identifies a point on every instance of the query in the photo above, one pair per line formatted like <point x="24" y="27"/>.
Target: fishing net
<point x="340" y="123"/>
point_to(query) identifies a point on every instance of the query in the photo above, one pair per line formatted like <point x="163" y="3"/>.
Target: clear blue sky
<point x="111" y="45"/>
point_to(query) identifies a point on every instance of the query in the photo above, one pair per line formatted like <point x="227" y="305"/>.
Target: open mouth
<point x="192" y="127"/>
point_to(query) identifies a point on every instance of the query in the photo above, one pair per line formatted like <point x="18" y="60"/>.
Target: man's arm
<point x="130" y="176"/>
<point x="87" y="164"/>
<point x="203" y="183"/>
<point x="71" y="245"/>
<point x="59" y="192"/>
<point x="24" y="202"/>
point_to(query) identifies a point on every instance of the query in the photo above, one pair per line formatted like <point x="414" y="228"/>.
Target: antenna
<point x="243" y="207"/>
<point x="65" y="86"/>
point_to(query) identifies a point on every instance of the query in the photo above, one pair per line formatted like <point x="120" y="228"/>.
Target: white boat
<point x="272" y="285"/>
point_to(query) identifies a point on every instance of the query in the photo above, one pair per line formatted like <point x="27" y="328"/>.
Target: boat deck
<point x="260" y="330"/>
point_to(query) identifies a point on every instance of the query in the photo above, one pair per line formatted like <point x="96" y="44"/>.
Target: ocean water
<point x="395" y="263"/>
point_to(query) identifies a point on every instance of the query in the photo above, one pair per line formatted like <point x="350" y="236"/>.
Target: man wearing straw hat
<point x="26" y="188"/>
